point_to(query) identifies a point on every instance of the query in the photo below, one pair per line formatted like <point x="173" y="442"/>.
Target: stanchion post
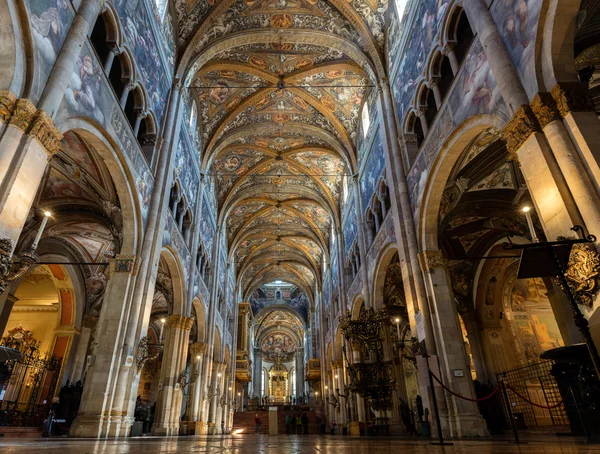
<point x="510" y="413"/>
<point x="438" y="422"/>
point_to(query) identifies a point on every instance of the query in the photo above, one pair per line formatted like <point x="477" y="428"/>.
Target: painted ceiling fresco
<point x="279" y="85"/>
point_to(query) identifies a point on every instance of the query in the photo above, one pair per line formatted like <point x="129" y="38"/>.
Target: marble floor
<point x="283" y="444"/>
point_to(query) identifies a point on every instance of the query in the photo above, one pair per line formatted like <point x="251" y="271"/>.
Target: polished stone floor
<point x="283" y="444"/>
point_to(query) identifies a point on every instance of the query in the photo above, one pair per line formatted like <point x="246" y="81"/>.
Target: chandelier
<point x="372" y="378"/>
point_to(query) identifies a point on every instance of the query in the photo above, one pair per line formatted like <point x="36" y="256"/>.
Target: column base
<point x="166" y="430"/>
<point x="200" y="428"/>
<point x="97" y="426"/>
<point x="211" y="428"/>
<point x="469" y="426"/>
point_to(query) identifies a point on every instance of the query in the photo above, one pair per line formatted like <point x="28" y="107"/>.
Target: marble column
<point x="460" y="418"/>
<point x="170" y="392"/>
<point x="95" y="417"/>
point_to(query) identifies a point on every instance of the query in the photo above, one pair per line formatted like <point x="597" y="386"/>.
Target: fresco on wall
<point x="517" y="22"/>
<point x="334" y="270"/>
<point x="140" y="39"/>
<point x="162" y="15"/>
<point x="207" y="228"/>
<point x="412" y="64"/>
<point x="476" y="91"/>
<point x="416" y="181"/>
<point x="372" y="171"/>
<point x="350" y="226"/>
<point x="185" y="169"/>
<point x="363" y="140"/>
<point x="327" y="291"/>
<point x="50" y="21"/>
<point x="172" y="237"/>
<point x="292" y="296"/>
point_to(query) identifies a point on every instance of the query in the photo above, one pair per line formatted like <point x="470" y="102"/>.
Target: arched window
<point x="463" y="34"/>
<point x="99" y="39"/>
<point x="193" y="117"/>
<point x="365" y="119"/>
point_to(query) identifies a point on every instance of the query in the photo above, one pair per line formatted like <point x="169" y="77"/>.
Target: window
<point x="400" y="7"/>
<point x="366" y="120"/>
<point x="193" y="116"/>
<point x="345" y="188"/>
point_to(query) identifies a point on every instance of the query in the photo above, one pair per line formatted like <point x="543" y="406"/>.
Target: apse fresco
<point x="350" y="226"/>
<point x="517" y="22"/>
<point x="372" y="171"/>
<point x="428" y="18"/>
<point x="50" y="22"/>
<point x="186" y="168"/>
<point x="292" y="296"/>
<point x="140" y="39"/>
<point x="278" y="347"/>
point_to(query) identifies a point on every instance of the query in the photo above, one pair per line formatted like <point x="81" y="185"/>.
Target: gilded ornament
<point x="572" y="97"/>
<point x="46" y="133"/>
<point x="520" y="127"/>
<point x="583" y="274"/>
<point x="545" y="109"/>
<point x="23" y="114"/>
<point x="7" y="104"/>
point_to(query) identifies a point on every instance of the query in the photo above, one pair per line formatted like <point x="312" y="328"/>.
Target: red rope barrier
<point x="463" y="397"/>
<point x="546" y="407"/>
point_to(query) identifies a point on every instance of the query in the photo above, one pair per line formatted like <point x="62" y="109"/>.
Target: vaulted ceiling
<point x="278" y="85"/>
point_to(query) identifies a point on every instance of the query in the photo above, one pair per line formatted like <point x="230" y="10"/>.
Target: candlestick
<point x="47" y="215"/>
<point x="534" y="237"/>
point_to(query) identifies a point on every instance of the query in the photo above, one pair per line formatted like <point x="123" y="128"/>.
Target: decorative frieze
<point x="430" y="260"/>
<point x="520" y="127"/>
<point x="572" y="97"/>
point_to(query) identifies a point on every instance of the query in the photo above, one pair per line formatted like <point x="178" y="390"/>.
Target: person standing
<point x="305" y="423"/>
<point x="257" y="422"/>
<point x="298" y="424"/>
<point x="288" y="424"/>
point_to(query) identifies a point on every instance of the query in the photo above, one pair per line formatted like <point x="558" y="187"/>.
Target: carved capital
<point x="46" y="133"/>
<point x="520" y="127"/>
<point x="434" y="82"/>
<point x="23" y="114"/>
<point x="448" y="48"/>
<point x="7" y="104"/>
<point x="180" y="322"/>
<point x="572" y="97"/>
<point x="198" y="348"/>
<point x="430" y="260"/>
<point x="544" y="109"/>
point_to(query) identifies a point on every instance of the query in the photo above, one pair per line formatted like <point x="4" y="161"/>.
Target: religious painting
<point x="350" y="226"/>
<point x="50" y="21"/>
<point x="207" y="228"/>
<point x="139" y="36"/>
<point x="475" y="90"/>
<point x="327" y="291"/>
<point x="334" y="270"/>
<point x="517" y="22"/>
<point x="186" y="169"/>
<point x="87" y="94"/>
<point x="372" y="170"/>
<point x="7" y="47"/>
<point x="428" y="18"/>
<point x="278" y="347"/>
<point x="416" y="181"/>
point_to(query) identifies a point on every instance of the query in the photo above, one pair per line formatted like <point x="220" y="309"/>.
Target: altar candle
<point x="47" y="215"/>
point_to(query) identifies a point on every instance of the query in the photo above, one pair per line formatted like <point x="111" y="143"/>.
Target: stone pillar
<point x="300" y="373"/>
<point x="79" y="361"/>
<point x="434" y="86"/>
<point x="362" y="243"/>
<point x="460" y="418"/>
<point x="257" y="376"/>
<point x="448" y="51"/>
<point x="113" y="51"/>
<point x="172" y="375"/>
<point x="127" y="88"/>
<point x="192" y="414"/>
<point x="95" y="419"/>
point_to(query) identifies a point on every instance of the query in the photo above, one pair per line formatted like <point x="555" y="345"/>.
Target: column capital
<point x="180" y="321"/>
<point x="430" y="260"/>
<point x="7" y="103"/>
<point x="545" y="109"/>
<point x="46" y="133"/>
<point x="520" y="127"/>
<point x="434" y="81"/>
<point x="449" y="47"/>
<point x="198" y="348"/>
<point x="572" y="97"/>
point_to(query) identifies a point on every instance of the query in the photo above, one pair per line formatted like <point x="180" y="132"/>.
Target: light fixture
<point x="526" y="209"/>
<point x="198" y="357"/>
<point x="336" y="376"/>
<point x="163" y="320"/>
<point x="218" y="375"/>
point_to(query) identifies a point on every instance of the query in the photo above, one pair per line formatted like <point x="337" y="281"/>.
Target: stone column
<point x="93" y="419"/>
<point x="257" y="376"/>
<point x="31" y="136"/>
<point x="79" y="361"/>
<point x="128" y="87"/>
<point x="460" y="418"/>
<point x="448" y="51"/>
<point x="192" y="414"/>
<point x="363" y="247"/>
<point x="172" y="375"/>
<point x="300" y="372"/>
<point x="434" y="86"/>
<point x="113" y="51"/>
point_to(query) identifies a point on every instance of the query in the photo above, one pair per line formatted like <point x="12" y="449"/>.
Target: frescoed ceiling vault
<point x="278" y="86"/>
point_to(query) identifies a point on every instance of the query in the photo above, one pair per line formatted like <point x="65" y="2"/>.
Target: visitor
<point x="332" y="427"/>
<point x="288" y="424"/>
<point x="54" y="409"/>
<point x="257" y="422"/>
<point x="298" y="425"/>
<point x="305" y="423"/>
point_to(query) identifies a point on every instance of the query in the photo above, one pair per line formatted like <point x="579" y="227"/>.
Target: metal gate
<point x="536" y="383"/>
<point x="27" y="394"/>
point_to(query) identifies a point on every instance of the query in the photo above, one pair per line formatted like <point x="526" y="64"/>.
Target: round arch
<point x="176" y="273"/>
<point x="383" y="261"/>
